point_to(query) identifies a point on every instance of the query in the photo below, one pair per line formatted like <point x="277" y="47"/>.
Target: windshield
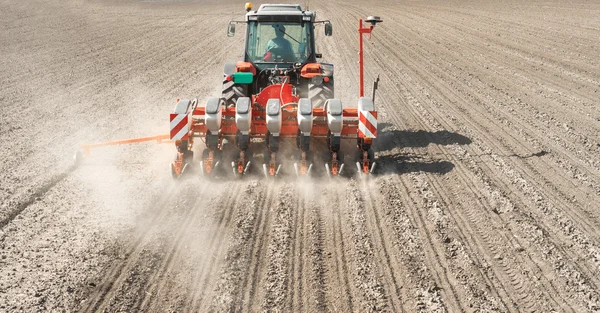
<point x="278" y="42"/>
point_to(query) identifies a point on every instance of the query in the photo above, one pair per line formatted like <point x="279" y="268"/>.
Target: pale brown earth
<point x="487" y="197"/>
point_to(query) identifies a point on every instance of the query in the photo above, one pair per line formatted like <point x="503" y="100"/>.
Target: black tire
<point x="319" y="93"/>
<point x="231" y="92"/>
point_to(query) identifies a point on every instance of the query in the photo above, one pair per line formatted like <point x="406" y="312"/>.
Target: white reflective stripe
<point x="181" y="133"/>
<point x="371" y="118"/>
<point x="363" y="128"/>
<point x="176" y="120"/>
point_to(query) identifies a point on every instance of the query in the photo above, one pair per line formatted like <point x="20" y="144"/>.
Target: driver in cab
<point x="279" y="48"/>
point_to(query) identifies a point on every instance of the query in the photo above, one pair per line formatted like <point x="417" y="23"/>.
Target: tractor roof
<point x="280" y="12"/>
<point x="279" y="7"/>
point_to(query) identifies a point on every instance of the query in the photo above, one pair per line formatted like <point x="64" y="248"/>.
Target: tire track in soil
<point x="466" y="225"/>
<point x="461" y="227"/>
<point x="492" y="254"/>
<point x="549" y="282"/>
<point x="119" y="272"/>
<point x="550" y="193"/>
<point x="550" y="168"/>
<point x="35" y="196"/>
<point x="387" y="262"/>
<point x="227" y="203"/>
<point x="405" y="238"/>
<point x="546" y="194"/>
<point x="441" y="268"/>
<point x="475" y="223"/>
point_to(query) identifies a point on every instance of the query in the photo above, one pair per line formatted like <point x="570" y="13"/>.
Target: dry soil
<point x="487" y="198"/>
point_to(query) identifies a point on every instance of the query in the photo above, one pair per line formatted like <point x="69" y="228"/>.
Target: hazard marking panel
<point x="179" y="127"/>
<point x="367" y="124"/>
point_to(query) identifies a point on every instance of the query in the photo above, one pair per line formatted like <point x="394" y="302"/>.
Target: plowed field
<point x="487" y="196"/>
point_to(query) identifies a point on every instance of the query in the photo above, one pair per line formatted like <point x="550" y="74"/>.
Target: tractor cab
<point x="279" y="34"/>
<point x="279" y="48"/>
<point x="278" y="42"/>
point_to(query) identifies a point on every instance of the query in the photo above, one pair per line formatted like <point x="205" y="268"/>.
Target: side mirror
<point x="328" y="29"/>
<point x="231" y="30"/>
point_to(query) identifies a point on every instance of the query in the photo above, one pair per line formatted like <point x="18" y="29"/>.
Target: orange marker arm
<point x="164" y="138"/>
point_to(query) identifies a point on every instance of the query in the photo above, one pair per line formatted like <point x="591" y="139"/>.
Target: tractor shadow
<point x="393" y="159"/>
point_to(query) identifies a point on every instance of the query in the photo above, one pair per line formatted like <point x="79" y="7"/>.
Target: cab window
<point x="278" y="42"/>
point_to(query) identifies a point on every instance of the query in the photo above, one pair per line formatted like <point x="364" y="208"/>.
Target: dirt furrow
<point x="225" y="204"/>
<point x="567" y="205"/>
<point x="119" y="272"/>
<point x="392" y="271"/>
<point x="466" y="226"/>
<point x="517" y="40"/>
<point x="204" y="279"/>
<point x="490" y="57"/>
<point x="449" y="87"/>
<point x="295" y="287"/>
<point x="485" y="200"/>
<point x="230" y="287"/>
<point x="447" y="274"/>
<point x="492" y="141"/>
<point x="35" y="196"/>
<point x="315" y="270"/>
<point x="276" y="275"/>
<point x="367" y="275"/>
<point x="337" y="269"/>
<point x="258" y="252"/>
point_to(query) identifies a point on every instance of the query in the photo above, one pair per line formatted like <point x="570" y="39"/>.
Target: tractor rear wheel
<point x="231" y="92"/>
<point x="319" y="93"/>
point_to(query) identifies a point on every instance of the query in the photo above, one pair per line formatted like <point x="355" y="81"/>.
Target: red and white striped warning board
<point x="367" y="124"/>
<point x="179" y="127"/>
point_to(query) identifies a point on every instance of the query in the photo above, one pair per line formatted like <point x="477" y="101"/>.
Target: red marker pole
<point x="362" y="30"/>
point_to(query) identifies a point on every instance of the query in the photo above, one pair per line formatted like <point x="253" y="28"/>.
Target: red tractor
<point x="278" y="102"/>
<point x="278" y="93"/>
